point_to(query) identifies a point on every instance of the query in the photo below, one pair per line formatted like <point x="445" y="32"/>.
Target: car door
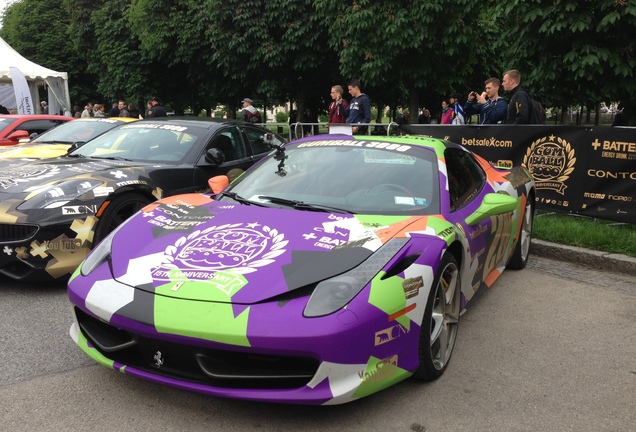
<point x="238" y="155"/>
<point x="466" y="180"/>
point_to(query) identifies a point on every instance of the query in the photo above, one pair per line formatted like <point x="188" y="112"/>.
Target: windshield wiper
<point x="237" y="198"/>
<point x="300" y="205"/>
<point x="118" y="158"/>
<point x="76" y="155"/>
<point x="52" y="142"/>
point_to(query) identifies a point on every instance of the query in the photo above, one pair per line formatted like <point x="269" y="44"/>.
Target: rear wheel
<point x="118" y="211"/>
<point x="441" y="321"/>
<point x="521" y="253"/>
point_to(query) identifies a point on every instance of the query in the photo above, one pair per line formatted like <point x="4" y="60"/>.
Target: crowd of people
<point x="488" y="105"/>
<point x="154" y="108"/>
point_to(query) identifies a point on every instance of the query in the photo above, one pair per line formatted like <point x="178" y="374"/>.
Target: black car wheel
<point x="441" y="320"/>
<point x="521" y="253"/>
<point x="117" y="212"/>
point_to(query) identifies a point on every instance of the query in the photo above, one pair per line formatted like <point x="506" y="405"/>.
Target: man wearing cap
<point x="458" y="111"/>
<point x="156" y="110"/>
<point x="249" y="113"/>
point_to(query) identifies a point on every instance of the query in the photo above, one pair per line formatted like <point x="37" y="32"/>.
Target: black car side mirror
<point x="214" y="156"/>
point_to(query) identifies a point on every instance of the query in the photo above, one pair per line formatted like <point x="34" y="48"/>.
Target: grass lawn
<point x="585" y="232"/>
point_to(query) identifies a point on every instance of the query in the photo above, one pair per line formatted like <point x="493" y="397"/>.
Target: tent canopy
<point x="57" y="82"/>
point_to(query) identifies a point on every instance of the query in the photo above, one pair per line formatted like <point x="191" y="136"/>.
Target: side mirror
<point x="18" y="135"/>
<point x="214" y="156"/>
<point x="493" y="204"/>
<point x="218" y="183"/>
<point x="75" y="146"/>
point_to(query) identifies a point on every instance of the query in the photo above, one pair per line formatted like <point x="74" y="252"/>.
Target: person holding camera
<point x="490" y="107"/>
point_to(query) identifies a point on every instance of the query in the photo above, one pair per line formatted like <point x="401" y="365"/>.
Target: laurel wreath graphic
<point x="25" y="175"/>
<point x="571" y="160"/>
<point x="278" y="242"/>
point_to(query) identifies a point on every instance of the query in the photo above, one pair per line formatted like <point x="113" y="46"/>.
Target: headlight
<point x="100" y="254"/>
<point x="333" y="294"/>
<point x="60" y="194"/>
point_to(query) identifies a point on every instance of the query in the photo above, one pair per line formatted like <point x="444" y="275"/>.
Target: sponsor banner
<point x="22" y="94"/>
<point x="577" y="169"/>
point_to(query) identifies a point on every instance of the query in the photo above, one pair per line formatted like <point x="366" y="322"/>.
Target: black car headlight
<point x="335" y="293"/>
<point x="60" y="194"/>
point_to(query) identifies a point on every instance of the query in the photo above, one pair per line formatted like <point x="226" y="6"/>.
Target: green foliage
<point x="586" y="232"/>
<point x="571" y="50"/>
<point x="36" y="29"/>
<point x="416" y="46"/>
<point x="282" y="117"/>
<point x="196" y="53"/>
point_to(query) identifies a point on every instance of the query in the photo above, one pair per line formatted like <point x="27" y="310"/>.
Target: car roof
<point x="205" y="122"/>
<point x="106" y="119"/>
<point x="37" y="116"/>
<point x="436" y="144"/>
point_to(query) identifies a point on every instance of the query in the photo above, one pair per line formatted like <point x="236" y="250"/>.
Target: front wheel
<point x="441" y="321"/>
<point x="117" y="212"/>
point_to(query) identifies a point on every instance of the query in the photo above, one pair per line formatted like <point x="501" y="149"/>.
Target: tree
<point x="274" y="50"/>
<point x="423" y="46"/>
<point x="38" y="30"/>
<point x="572" y="51"/>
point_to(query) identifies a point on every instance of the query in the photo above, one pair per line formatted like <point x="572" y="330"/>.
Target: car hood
<point x="34" y="151"/>
<point x="192" y="247"/>
<point x="19" y="179"/>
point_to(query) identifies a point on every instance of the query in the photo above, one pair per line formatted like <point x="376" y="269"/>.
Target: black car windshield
<point x="142" y="142"/>
<point x="345" y="179"/>
<point x="77" y="130"/>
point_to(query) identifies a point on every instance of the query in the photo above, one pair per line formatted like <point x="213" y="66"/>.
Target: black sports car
<point x="53" y="211"/>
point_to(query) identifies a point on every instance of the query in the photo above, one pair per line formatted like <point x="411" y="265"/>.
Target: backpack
<point x="254" y="117"/>
<point x="537" y="112"/>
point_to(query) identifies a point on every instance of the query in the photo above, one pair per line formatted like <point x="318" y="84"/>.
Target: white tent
<point x="57" y="82"/>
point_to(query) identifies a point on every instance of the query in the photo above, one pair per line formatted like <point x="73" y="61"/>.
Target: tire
<point x="118" y="211"/>
<point x="521" y="253"/>
<point x="439" y="328"/>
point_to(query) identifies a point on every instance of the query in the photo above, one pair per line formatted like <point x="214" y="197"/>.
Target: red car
<point x="13" y="128"/>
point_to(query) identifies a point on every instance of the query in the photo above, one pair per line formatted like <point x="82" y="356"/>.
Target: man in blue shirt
<point x="489" y="105"/>
<point x="359" y="109"/>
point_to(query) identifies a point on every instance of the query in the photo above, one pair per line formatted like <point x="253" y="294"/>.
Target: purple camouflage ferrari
<point x="334" y="268"/>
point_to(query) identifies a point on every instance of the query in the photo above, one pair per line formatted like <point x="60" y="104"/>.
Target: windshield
<point x="142" y="142"/>
<point x="73" y="131"/>
<point x="346" y="179"/>
<point x="5" y="122"/>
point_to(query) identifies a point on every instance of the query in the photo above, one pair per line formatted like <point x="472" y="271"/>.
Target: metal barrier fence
<point x="301" y="129"/>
